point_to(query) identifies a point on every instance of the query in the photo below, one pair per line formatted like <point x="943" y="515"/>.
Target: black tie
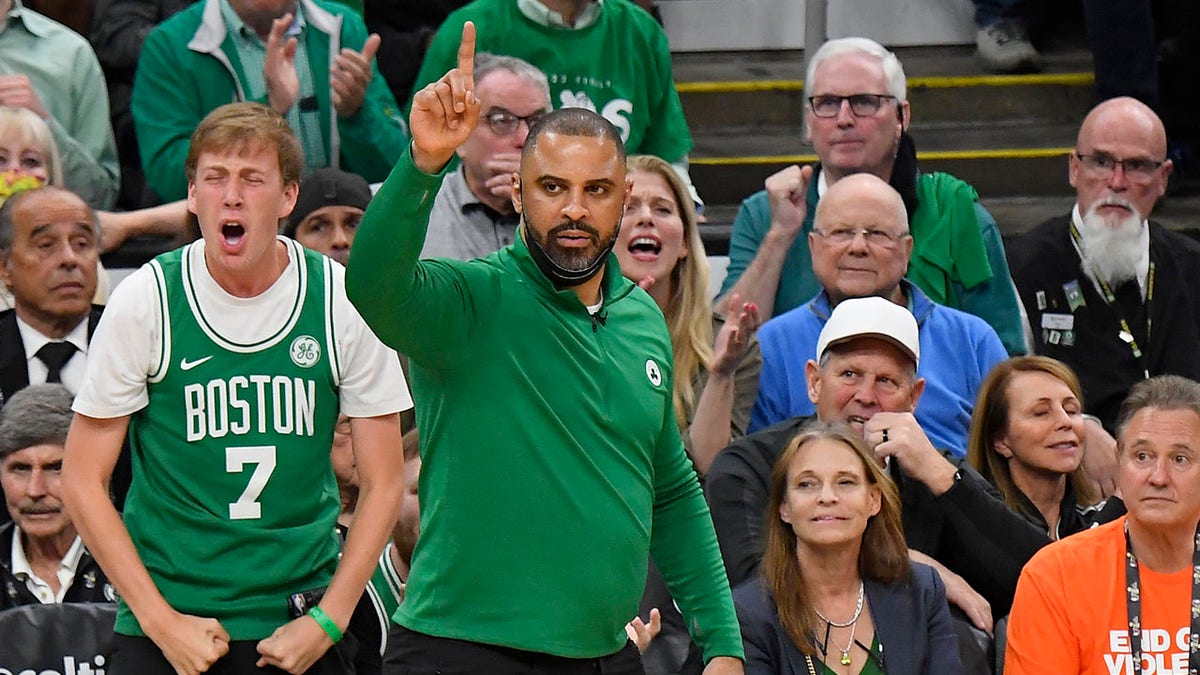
<point x="55" y="355"/>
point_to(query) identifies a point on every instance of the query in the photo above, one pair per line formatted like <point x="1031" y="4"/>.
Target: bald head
<point x="867" y="188"/>
<point x="860" y="244"/>
<point x="1124" y="117"/>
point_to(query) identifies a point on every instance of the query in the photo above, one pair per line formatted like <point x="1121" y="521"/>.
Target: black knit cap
<point x="327" y="187"/>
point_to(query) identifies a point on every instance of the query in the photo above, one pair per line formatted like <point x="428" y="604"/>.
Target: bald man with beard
<point x="1108" y="291"/>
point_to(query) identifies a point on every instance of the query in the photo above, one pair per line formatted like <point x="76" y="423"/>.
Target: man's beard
<point x="572" y="260"/>
<point x="1111" y="248"/>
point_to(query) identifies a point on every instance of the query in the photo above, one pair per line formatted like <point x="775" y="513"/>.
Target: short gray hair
<point x="487" y="63"/>
<point x="893" y="72"/>
<point x="39" y="414"/>
<point x="1164" y="392"/>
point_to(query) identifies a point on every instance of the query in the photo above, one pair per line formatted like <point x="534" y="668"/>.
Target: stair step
<point x="936" y="61"/>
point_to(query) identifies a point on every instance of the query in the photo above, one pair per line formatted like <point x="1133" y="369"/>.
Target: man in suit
<point x="49" y="245"/>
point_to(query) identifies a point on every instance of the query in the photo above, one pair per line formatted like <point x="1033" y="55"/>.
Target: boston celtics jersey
<point x="233" y="502"/>
<point x="386" y="584"/>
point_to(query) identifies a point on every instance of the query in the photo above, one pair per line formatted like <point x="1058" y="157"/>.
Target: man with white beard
<point x="1110" y="293"/>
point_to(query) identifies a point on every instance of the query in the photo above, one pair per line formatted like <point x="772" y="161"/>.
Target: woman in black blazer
<point x="837" y="592"/>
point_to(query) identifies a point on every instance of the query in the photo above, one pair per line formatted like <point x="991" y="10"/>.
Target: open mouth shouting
<point x="232" y="233"/>
<point x="645" y="248"/>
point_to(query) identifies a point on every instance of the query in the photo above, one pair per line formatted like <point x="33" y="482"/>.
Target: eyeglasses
<point x="862" y="105"/>
<point x="877" y="238"/>
<point x="503" y="122"/>
<point x="1105" y="166"/>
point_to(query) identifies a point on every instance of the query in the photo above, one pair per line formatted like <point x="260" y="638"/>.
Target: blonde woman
<point x="716" y="365"/>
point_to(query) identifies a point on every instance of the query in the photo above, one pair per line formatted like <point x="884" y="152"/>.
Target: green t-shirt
<point x="619" y="66"/>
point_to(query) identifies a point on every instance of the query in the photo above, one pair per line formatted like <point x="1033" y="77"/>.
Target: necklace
<point x="850" y="643"/>
<point x="857" y="611"/>
<point x="852" y="623"/>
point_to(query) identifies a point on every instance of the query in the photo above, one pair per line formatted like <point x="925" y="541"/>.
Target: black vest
<point x="1046" y="269"/>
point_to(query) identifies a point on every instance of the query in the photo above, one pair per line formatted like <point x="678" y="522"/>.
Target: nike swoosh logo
<point x="184" y="364"/>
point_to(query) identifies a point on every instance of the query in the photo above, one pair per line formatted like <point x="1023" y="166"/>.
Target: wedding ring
<point x="885" y="436"/>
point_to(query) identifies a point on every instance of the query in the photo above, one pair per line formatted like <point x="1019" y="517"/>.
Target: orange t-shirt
<point x="1070" y="613"/>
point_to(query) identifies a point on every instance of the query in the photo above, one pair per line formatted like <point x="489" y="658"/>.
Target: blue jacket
<point x="957" y="352"/>
<point x="912" y="624"/>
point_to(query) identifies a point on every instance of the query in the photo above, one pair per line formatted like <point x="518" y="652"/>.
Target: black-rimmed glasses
<point x="862" y="105"/>
<point x="503" y="122"/>
<point x="1105" y="166"/>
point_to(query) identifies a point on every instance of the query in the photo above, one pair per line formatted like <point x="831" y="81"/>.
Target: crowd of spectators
<point x="938" y="427"/>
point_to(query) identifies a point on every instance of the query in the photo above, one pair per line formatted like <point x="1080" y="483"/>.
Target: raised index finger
<point x="466" y="52"/>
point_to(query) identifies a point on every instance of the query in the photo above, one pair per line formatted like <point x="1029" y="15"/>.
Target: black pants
<point x="1124" y="49"/>
<point x="413" y="653"/>
<point x="140" y="656"/>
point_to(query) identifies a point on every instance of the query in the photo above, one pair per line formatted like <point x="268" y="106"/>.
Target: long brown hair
<point x="883" y="556"/>
<point x="990" y="421"/>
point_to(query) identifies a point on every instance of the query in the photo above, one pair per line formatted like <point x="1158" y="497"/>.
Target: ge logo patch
<point x="653" y="373"/>
<point x="305" y="351"/>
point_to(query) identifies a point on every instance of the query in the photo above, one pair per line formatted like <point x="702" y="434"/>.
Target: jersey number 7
<point x="247" y="506"/>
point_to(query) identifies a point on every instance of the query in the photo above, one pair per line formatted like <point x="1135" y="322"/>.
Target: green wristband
<point x="331" y="629"/>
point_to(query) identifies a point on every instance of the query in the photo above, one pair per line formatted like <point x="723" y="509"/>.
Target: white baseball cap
<point x="871" y="317"/>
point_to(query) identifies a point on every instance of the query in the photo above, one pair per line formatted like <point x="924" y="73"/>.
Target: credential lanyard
<point x="1133" y="597"/>
<point x="1126" y="335"/>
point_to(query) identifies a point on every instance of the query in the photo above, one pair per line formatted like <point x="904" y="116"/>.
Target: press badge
<point x="1054" y="321"/>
